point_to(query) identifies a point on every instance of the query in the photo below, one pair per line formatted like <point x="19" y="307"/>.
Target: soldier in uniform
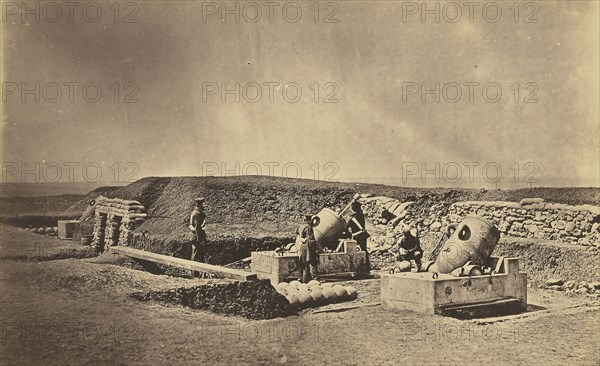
<point x="410" y="248"/>
<point x="356" y="227"/>
<point x="309" y="253"/>
<point x="197" y="223"/>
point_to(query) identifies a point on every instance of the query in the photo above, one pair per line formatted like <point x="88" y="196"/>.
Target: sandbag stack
<point x="115" y="219"/>
<point x="98" y="233"/>
<point x="390" y="215"/>
<point x="112" y="230"/>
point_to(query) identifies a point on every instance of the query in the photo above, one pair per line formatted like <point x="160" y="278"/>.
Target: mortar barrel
<point x="328" y="227"/>
<point x="474" y="240"/>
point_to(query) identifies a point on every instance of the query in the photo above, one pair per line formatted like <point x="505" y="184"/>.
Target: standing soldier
<point x="356" y="227"/>
<point x="309" y="253"/>
<point x="197" y="223"/>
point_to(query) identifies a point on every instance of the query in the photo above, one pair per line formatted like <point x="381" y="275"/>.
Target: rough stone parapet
<point x="534" y="218"/>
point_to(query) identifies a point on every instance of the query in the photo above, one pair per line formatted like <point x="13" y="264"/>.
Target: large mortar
<point x="502" y="292"/>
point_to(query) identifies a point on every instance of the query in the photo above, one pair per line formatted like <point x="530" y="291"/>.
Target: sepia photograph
<point x="303" y="182"/>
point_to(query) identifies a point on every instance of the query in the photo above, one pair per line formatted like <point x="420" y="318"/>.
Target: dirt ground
<point x="79" y="311"/>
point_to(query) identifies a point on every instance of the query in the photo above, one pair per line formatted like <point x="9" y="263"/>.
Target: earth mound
<point x="249" y="299"/>
<point x="260" y="213"/>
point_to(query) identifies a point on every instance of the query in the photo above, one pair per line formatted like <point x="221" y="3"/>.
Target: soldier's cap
<point x="199" y="199"/>
<point x="406" y="230"/>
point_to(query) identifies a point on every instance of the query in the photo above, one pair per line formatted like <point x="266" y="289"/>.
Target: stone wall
<point x="534" y="218"/>
<point x="531" y="218"/>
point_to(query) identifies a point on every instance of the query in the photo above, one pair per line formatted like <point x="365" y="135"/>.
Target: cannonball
<point x="315" y="288"/>
<point x="55" y="229"/>
<point x="294" y="284"/>
<point x="303" y="286"/>
<point x="282" y="291"/>
<point x="38" y="230"/>
<point x="313" y="282"/>
<point x="293" y="300"/>
<point x="318" y="297"/>
<point x="49" y="230"/>
<point x="27" y="229"/>
<point x="340" y="293"/>
<point x="352" y="293"/>
<point x="325" y="285"/>
<point x="328" y="294"/>
<point x="304" y="291"/>
<point x="282" y="285"/>
<point x="404" y="266"/>
<point x="305" y="299"/>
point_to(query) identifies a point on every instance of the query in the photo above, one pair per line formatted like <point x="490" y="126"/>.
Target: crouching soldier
<point x="410" y="249"/>
<point x="309" y="252"/>
<point x="197" y="223"/>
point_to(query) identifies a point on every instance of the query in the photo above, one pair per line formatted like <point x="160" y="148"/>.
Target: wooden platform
<point x="184" y="263"/>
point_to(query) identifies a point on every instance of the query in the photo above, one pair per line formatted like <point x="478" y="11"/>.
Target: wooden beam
<point x="347" y="307"/>
<point x="184" y="263"/>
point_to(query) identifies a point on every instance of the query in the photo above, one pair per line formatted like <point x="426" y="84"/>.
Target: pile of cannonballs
<point x="314" y="293"/>
<point x="44" y="230"/>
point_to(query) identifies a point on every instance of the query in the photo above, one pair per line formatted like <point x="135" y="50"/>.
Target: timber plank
<point x="184" y="263"/>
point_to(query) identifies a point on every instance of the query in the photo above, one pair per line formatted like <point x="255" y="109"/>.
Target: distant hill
<point x="36" y="206"/>
<point x="48" y="189"/>
<point x="64" y="205"/>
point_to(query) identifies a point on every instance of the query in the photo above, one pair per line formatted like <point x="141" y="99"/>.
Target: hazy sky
<point x="374" y="132"/>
